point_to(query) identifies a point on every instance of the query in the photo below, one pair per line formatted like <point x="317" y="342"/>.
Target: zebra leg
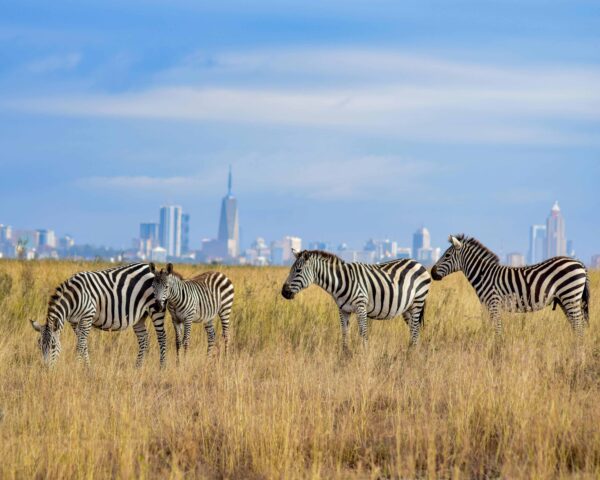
<point x="187" y="331"/>
<point x="415" y="324"/>
<point x="361" y="312"/>
<point x="210" y="333"/>
<point x="575" y="316"/>
<point x="82" y="331"/>
<point x="344" y="321"/>
<point x="142" y="337"/>
<point x="494" y="312"/>
<point x="158" y="320"/>
<point x="178" y="327"/>
<point x="224" y="316"/>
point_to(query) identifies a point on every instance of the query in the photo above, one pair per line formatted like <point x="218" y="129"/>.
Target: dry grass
<point x="285" y="404"/>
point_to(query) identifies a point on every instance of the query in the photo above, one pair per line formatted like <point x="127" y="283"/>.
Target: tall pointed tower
<point x="555" y="233"/>
<point x="229" y="230"/>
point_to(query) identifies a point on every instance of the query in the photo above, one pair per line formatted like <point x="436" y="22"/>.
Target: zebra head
<point x="162" y="283"/>
<point x="301" y="275"/>
<point x="48" y="341"/>
<point x="451" y="260"/>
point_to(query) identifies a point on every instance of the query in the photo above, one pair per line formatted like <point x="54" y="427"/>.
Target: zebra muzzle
<point x="287" y="293"/>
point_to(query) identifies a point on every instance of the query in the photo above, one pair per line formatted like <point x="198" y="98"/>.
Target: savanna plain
<point x="285" y="402"/>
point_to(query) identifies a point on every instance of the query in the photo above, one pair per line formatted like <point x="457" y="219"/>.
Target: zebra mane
<point x="488" y="254"/>
<point x="321" y="254"/>
<point x="199" y="276"/>
<point x="174" y="273"/>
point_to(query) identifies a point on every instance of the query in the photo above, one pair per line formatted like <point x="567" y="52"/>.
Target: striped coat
<point x="198" y="299"/>
<point x="379" y="292"/>
<point x="110" y="300"/>
<point x="561" y="281"/>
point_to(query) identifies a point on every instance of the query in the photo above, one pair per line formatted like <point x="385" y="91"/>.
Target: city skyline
<point x="340" y="123"/>
<point x="164" y="241"/>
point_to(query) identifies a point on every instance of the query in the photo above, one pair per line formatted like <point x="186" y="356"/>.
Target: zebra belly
<point x="117" y="324"/>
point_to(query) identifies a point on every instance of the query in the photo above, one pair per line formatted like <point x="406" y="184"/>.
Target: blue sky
<point x="342" y="120"/>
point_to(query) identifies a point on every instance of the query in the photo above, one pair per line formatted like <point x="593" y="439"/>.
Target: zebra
<point x="380" y="291"/>
<point x="559" y="280"/>
<point x="110" y="300"/>
<point x="198" y="299"/>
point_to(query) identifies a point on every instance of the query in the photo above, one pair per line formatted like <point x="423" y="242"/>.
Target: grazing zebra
<point x="110" y="300"/>
<point x="561" y="280"/>
<point x="379" y="292"/>
<point x="198" y="299"/>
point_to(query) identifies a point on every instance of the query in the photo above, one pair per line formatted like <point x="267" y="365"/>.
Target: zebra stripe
<point x="379" y="292"/>
<point x="111" y="300"/>
<point x="198" y="299"/>
<point x="559" y="280"/>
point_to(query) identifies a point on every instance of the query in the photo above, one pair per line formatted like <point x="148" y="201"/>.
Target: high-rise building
<point x="5" y="233"/>
<point x="229" y="230"/>
<point x="169" y="230"/>
<point x="149" y="231"/>
<point x="556" y="239"/>
<point x="148" y="238"/>
<point x="537" y="244"/>
<point x="282" y="251"/>
<point x="46" y="238"/>
<point x="422" y="245"/>
<point x="185" y="233"/>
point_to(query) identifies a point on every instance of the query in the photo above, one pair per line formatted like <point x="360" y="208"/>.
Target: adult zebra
<point x="379" y="292"/>
<point x="110" y="300"/>
<point x="561" y="280"/>
<point x="198" y="299"/>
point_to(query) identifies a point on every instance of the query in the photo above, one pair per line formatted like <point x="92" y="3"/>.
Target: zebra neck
<point x="478" y="273"/>
<point x="327" y="274"/>
<point x="176" y="294"/>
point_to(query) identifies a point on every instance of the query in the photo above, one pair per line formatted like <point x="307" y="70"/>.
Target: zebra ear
<point x="295" y="252"/>
<point x="152" y="267"/>
<point x="169" y="268"/>
<point x="36" y="326"/>
<point x="455" y="242"/>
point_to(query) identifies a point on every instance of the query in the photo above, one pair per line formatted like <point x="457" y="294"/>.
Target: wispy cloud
<point x="376" y="92"/>
<point x="323" y="179"/>
<point x="53" y="63"/>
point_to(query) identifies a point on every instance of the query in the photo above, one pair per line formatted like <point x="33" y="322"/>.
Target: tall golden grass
<point x="286" y="404"/>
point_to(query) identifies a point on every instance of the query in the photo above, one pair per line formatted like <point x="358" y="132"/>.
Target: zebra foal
<point x="110" y="300"/>
<point x="198" y="299"/>
<point x="379" y="292"/>
<point x="559" y="280"/>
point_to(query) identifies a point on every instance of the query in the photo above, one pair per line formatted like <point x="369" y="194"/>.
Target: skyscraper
<point x="149" y="231"/>
<point x="46" y="239"/>
<point x="556" y="239"/>
<point x="421" y="243"/>
<point x="169" y="230"/>
<point x="148" y="238"/>
<point x="537" y="244"/>
<point x="229" y="230"/>
<point x="185" y="233"/>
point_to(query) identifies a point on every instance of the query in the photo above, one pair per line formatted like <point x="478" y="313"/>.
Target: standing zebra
<point x="378" y="292"/>
<point x="561" y="280"/>
<point x="111" y="300"/>
<point x="198" y="299"/>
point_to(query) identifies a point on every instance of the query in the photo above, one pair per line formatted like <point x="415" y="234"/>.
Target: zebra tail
<point x="585" y="301"/>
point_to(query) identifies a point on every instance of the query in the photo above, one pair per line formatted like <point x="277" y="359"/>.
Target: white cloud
<point x="406" y="96"/>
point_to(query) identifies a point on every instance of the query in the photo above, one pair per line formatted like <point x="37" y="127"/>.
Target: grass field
<point x="286" y="404"/>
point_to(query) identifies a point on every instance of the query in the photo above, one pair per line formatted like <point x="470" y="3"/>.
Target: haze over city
<point x="341" y="124"/>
